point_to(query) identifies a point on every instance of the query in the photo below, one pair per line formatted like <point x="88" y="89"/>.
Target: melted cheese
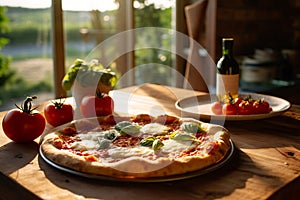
<point x="154" y="128"/>
<point x="88" y="141"/>
<point x="125" y="152"/>
<point x="172" y="146"/>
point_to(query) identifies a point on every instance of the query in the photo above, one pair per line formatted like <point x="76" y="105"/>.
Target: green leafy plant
<point x="88" y="74"/>
<point x="4" y="60"/>
<point x="4" y="27"/>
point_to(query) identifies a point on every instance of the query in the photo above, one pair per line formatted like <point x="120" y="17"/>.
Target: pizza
<point x="140" y="146"/>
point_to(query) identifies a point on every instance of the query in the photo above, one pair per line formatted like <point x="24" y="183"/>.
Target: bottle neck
<point x="227" y="52"/>
<point x="227" y="47"/>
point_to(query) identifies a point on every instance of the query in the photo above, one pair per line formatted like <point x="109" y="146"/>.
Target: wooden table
<point x="267" y="165"/>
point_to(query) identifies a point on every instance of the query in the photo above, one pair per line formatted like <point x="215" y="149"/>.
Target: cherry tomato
<point x="237" y="101"/>
<point x="245" y="108"/>
<point x="216" y="108"/>
<point x="58" y="113"/>
<point x="261" y="107"/>
<point x="23" y="124"/>
<point x="229" y="109"/>
<point x="92" y="106"/>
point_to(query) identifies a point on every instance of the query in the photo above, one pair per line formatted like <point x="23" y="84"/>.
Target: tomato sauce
<point x="127" y="141"/>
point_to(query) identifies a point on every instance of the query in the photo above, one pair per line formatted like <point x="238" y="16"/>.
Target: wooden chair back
<point x="201" y="26"/>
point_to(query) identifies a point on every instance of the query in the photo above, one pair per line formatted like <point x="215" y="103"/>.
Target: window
<point x="85" y="26"/>
<point x="30" y="51"/>
<point x="147" y="64"/>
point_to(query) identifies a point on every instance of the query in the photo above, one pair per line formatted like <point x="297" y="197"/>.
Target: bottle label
<point x="227" y="84"/>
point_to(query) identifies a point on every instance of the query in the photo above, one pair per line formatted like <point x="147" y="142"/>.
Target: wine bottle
<point x="227" y="72"/>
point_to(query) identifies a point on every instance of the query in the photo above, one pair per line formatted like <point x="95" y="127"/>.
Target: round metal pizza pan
<point x="188" y="175"/>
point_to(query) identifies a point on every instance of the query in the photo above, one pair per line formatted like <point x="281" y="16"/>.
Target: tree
<point x="157" y="59"/>
<point x="5" y="73"/>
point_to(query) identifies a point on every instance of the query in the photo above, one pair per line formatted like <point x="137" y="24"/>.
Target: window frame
<point x="127" y="14"/>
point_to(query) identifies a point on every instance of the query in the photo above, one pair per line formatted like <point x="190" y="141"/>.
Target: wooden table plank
<point x="267" y="166"/>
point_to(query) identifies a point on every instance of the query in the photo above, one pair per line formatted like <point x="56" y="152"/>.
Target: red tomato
<point x="229" y="109"/>
<point x="237" y="101"/>
<point x="92" y="106"/>
<point x="261" y="107"/>
<point x="245" y="108"/>
<point x="58" y="113"/>
<point x="216" y="108"/>
<point x="23" y="124"/>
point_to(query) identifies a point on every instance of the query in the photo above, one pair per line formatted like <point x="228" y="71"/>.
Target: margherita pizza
<point x="140" y="146"/>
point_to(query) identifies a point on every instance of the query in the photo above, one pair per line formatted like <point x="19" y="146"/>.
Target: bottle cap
<point x="227" y="42"/>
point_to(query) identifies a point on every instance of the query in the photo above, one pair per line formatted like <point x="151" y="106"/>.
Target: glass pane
<point x="154" y="64"/>
<point x="91" y="31"/>
<point x="87" y="24"/>
<point x="30" y="71"/>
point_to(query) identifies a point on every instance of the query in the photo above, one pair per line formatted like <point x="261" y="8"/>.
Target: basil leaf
<point x="173" y="134"/>
<point x="152" y="142"/>
<point x="183" y="137"/>
<point x="130" y="130"/>
<point x="121" y="125"/>
<point x="157" y="144"/>
<point x="110" y="135"/>
<point x="191" y="127"/>
<point x="147" y="142"/>
<point x="103" y="144"/>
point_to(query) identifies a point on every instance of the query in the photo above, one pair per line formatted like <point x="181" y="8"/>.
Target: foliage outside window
<point x="32" y="28"/>
<point x="4" y="60"/>
<point x="156" y="62"/>
<point x="29" y="39"/>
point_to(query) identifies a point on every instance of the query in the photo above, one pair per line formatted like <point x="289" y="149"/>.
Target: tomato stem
<point x="27" y="105"/>
<point x="261" y="100"/>
<point x="58" y="104"/>
<point x="230" y="98"/>
<point x="99" y="93"/>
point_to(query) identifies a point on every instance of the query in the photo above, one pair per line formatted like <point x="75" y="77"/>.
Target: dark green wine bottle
<point x="227" y="72"/>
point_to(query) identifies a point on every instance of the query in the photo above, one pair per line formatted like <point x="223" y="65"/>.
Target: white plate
<point x="200" y="107"/>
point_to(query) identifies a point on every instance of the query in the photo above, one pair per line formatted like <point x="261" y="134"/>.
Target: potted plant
<point x="88" y="78"/>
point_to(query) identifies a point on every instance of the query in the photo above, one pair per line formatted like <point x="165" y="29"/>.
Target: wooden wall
<point x="254" y="24"/>
<point x="258" y="24"/>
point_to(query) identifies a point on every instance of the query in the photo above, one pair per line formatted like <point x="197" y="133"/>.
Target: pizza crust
<point x="138" y="167"/>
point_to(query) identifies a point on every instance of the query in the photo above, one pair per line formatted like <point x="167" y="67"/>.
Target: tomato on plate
<point x="237" y="101"/>
<point x="245" y="108"/>
<point x="99" y="105"/>
<point x="229" y="109"/>
<point x="261" y="107"/>
<point x="216" y="108"/>
<point x="58" y="112"/>
<point x="241" y="106"/>
<point x="229" y="106"/>
<point x="23" y="124"/>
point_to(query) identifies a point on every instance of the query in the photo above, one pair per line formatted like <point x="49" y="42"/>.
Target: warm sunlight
<point x="79" y="5"/>
<point x="75" y="5"/>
